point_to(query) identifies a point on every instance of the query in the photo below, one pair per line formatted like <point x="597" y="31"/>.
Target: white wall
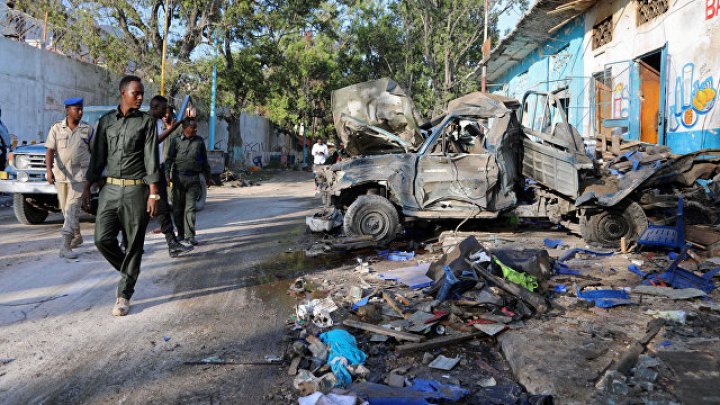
<point x="691" y="30"/>
<point x="34" y="83"/>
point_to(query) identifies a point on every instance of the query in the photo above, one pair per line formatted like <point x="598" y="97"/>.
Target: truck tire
<point x="25" y="213"/>
<point x="372" y="215"/>
<point x="608" y="227"/>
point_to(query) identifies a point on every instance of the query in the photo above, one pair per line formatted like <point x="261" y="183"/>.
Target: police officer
<point x="158" y="107"/>
<point x="125" y="145"/>
<point x="66" y="160"/>
<point x="185" y="161"/>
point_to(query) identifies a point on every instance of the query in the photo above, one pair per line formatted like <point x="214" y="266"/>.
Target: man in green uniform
<point x="66" y="160"/>
<point x="158" y="107"/>
<point x="125" y="145"/>
<point x="185" y="162"/>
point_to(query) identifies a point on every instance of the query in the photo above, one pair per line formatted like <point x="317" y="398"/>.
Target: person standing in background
<point x="66" y="160"/>
<point x="158" y="108"/>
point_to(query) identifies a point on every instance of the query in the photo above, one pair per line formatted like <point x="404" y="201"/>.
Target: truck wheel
<point x="608" y="227"/>
<point x="200" y="203"/>
<point x="372" y="215"/>
<point x="25" y="213"/>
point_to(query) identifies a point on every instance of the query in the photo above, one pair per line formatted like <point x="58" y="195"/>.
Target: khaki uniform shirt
<point x="72" y="150"/>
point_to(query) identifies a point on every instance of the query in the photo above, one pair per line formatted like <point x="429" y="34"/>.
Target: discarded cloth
<point x="522" y="279"/>
<point x="553" y="243"/>
<point x="343" y="352"/>
<point x="318" y="398"/>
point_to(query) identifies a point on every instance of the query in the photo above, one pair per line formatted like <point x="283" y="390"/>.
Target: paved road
<point x="226" y="299"/>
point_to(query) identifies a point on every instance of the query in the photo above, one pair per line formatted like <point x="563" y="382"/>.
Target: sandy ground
<point x="227" y="298"/>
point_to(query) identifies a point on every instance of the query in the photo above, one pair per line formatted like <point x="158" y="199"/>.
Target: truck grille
<point x="37" y="162"/>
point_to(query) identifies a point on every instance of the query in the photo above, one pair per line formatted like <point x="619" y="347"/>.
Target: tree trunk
<point x="236" y="152"/>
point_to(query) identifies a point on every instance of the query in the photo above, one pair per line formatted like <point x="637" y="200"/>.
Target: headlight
<point x="23" y="176"/>
<point x="22" y="162"/>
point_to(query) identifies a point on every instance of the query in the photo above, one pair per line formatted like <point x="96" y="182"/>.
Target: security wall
<point x="34" y="83"/>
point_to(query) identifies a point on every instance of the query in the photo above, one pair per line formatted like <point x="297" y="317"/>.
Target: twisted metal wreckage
<point x="488" y="156"/>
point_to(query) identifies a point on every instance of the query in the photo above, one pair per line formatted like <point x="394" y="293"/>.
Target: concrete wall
<point x="263" y="141"/>
<point x="557" y="64"/>
<point x="34" y="83"/>
<point x="690" y="30"/>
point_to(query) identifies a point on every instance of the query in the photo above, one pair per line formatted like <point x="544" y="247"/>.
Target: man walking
<point x="66" y="160"/>
<point x="186" y="160"/>
<point x="158" y="107"/>
<point x="125" y="145"/>
<point x="319" y="152"/>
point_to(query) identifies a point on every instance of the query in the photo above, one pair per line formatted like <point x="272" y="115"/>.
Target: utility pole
<point x="485" y="39"/>
<point x="164" y="48"/>
<point x="44" y="44"/>
<point x="213" y="92"/>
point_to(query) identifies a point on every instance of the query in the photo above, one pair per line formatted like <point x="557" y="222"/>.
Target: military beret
<point x="76" y="101"/>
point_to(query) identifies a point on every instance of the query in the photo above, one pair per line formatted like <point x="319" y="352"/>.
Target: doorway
<point x="649" y="73"/>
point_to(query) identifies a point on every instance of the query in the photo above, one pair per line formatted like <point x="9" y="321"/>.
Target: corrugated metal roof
<point x="535" y="28"/>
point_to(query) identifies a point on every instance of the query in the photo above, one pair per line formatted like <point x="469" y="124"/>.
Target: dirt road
<point x="225" y="299"/>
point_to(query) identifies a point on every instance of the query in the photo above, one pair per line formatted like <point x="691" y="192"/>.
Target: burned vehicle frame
<point x="489" y="156"/>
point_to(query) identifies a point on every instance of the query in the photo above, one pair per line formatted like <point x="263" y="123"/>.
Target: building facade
<point x="647" y="69"/>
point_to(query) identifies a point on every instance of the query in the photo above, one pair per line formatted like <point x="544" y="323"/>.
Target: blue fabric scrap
<point x="343" y="352"/>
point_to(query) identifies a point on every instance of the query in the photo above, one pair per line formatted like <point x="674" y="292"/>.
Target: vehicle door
<point x="454" y="170"/>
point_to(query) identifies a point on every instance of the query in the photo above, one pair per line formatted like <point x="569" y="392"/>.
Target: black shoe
<point x="176" y="248"/>
<point x="191" y="240"/>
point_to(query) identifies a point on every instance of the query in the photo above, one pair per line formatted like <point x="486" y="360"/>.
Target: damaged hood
<point x="481" y="105"/>
<point x="376" y="117"/>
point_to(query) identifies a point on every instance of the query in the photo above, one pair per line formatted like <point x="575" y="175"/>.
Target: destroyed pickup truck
<point x="489" y="156"/>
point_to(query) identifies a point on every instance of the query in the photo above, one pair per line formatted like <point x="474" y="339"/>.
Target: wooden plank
<point x="437" y="342"/>
<point x="394" y="305"/>
<point x="383" y="331"/>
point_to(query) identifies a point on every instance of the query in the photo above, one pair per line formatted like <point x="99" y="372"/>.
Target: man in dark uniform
<point x="158" y="107"/>
<point x="185" y="161"/>
<point x="125" y="145"/>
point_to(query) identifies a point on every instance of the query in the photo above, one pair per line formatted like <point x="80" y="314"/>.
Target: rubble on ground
<point x="509" y="318"/>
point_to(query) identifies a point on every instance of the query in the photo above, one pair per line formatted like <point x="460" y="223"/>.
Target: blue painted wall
<point x="556" y="64"/>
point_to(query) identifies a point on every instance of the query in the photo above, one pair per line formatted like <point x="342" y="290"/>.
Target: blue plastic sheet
<point x="396" y="256"/>
<point x="417" y="394"/>
<point x="439" y="390"/>
<point x="553" y="243"/>
<point x="604" y="298"/>
<point x="342" y="345"/>
<point x="360" y="303"/>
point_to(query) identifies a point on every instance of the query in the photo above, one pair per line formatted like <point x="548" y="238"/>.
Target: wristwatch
<point x="154" y="196"/>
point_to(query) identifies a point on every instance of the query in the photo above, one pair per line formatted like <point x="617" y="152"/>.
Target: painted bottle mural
<point x="693" y="98"/>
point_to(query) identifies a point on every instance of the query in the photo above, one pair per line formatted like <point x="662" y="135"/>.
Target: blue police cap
<point x="77" y="101"/>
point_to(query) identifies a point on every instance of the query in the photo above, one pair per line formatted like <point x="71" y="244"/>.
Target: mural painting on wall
<point x="621" y="101"/>
<point x="693" y="98"/>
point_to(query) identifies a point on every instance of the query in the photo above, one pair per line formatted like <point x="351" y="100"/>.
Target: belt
<point x="124" y="182"/>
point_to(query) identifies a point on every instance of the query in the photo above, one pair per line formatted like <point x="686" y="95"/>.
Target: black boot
<point x="175" y="248"/>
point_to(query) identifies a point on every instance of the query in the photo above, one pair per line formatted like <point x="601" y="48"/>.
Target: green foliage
<point x="283" y="58"/>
